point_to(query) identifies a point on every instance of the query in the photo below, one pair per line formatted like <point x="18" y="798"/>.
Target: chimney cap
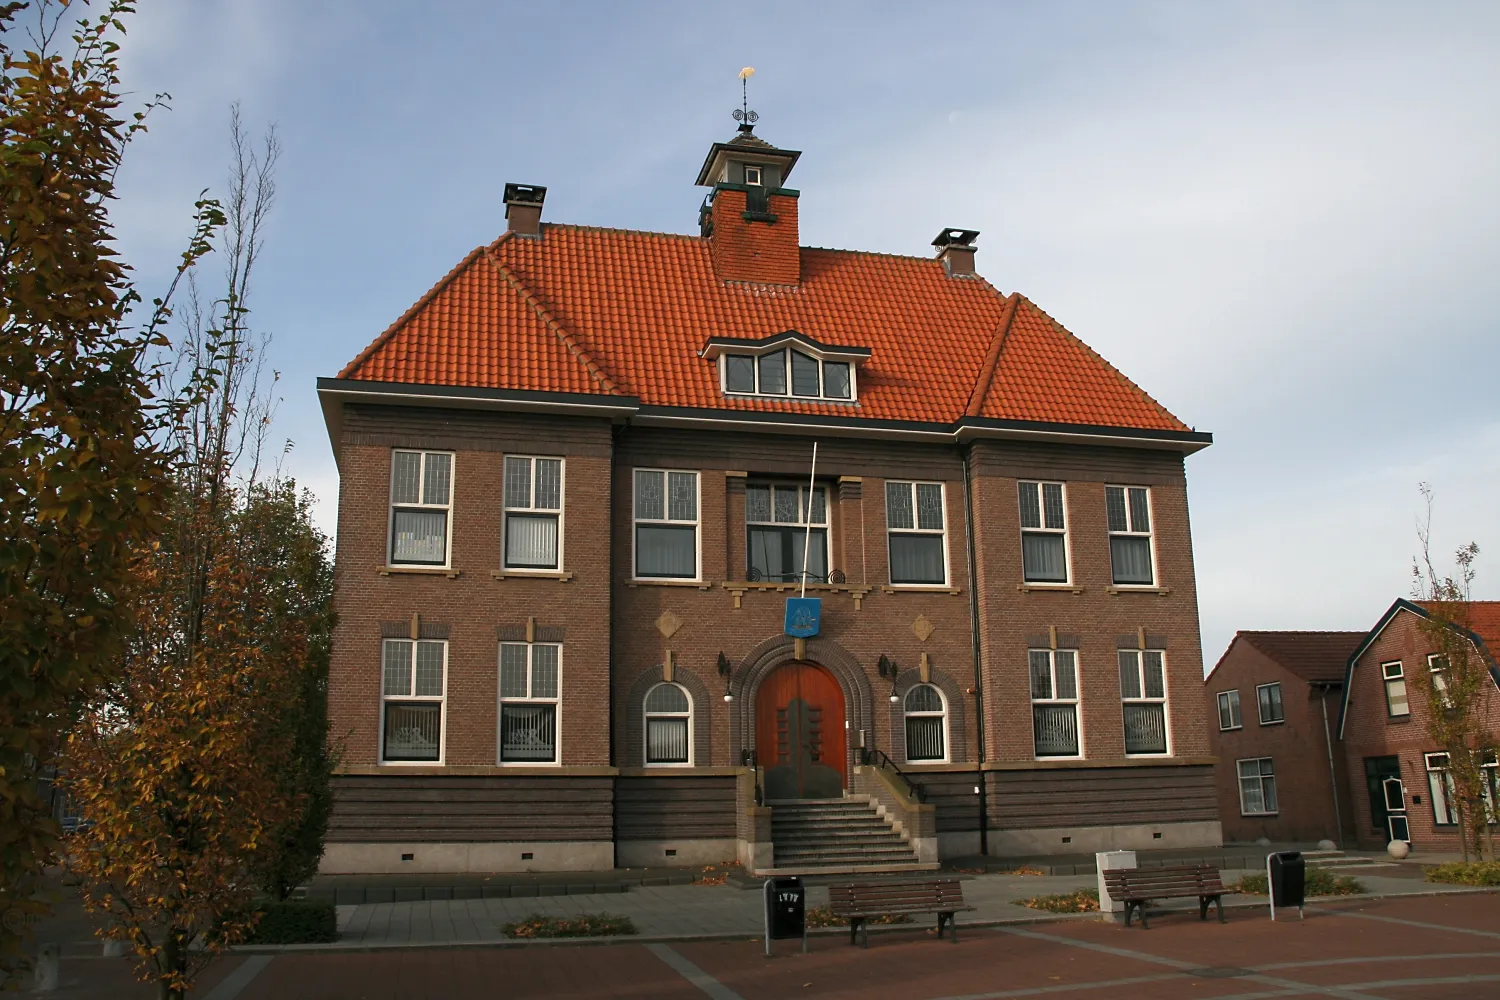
<point x="956" y="237"/>
<point x="525" y="194"/>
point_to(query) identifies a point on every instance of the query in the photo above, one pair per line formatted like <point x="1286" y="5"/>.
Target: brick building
<point x="576" y="492"/>
<point x="1274" y="699"/>
<point x="1383" y="725"/>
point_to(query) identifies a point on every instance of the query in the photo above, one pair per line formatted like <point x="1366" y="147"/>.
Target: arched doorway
<point x="799" y="733"/>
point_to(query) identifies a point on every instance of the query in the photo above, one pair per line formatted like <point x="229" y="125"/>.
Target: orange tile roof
<point x="615" y="312"/>
<point x="1483" y="619"/>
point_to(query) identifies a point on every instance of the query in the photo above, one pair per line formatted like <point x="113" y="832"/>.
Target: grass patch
<point x="586" y="925"/>
<point x="295" y="921"/>
<point x="1466" y="873"/>
<point x="822" y="916"/>
<point x="1082" y="901"/>
<point x="1320" y="882"/>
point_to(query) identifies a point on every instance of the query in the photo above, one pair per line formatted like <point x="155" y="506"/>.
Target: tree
<point x="203" y="772"/>
<point x="1459" y="692"/>
<point x="82" y="485"/>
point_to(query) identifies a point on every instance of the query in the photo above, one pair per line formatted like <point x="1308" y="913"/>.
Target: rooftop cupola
<point x="750" y="216"/>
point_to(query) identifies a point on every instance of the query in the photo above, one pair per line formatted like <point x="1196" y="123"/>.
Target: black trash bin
<point x="1286" y="873"/>
<point x="786" y="910"/>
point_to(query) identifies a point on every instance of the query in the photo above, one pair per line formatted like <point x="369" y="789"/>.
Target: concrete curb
<point x="1020" y="921"/>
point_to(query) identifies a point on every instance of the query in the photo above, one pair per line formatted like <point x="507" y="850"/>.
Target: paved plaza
<point x="702" y="941"/>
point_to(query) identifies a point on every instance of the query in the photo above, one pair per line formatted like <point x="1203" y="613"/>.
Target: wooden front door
<point x="799" y="733"/>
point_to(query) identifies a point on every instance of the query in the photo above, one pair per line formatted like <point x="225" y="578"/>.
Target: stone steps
<point x="830" y="836"/>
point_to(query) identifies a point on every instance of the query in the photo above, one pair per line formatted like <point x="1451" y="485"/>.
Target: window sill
<point x="1261" y="815"/>
<point x="700" y="584"/>
<point x="1275" y="722"/>
<point x="1071" y="588"/>
<point x="1397" y="720"/>
<point x="1230" y="729"/>
<point x="920" y="588"/>
<point x="739" y="587"/>
<point x="417" y="571"/>
<point x="1126" y="588"/>
<point x="523" y="574"/>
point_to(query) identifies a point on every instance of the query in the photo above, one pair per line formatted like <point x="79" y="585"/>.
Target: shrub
<point x="1466" y="873"/>
<point x="1320" y="882"/>
<point x="822" y="916"/>
<point x="295" y="921"/>
<point x="584" y="925"/>
<point x="1081" y="901"/>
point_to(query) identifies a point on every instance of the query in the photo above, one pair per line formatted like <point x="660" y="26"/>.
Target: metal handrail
<point x="914" y="790"/>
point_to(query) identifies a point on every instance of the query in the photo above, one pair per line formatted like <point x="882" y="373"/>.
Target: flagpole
<point x="807" y="514"/>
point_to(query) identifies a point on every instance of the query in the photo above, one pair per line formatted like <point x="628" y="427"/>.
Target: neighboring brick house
<point x="575" y="496"/>
<point x="1276" y="698"/>
<point x="1383" y="726"/>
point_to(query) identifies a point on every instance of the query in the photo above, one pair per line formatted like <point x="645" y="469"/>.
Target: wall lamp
<point x="889" y="668"/>
<point x="725" y="671"/>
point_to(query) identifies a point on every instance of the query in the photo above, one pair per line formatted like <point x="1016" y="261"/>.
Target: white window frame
<point x="441" y="700"/>
<point x="446" y="508"/>
<point x="1132" y="531"/>
<point x="925" y="714"/>
<point x="1062" y="532"/>
<point x="560" y="511"/>
<point x="1437" y="665"/>
<point x="501" y="700"/>
<point x="916" y="520"/>
<point x="647" y="716"/>
<point x="1260" y="778"/>
<point x="1076" y="701"/>
<point x="760" y="175"/>
<point x="1388" y="679"/>
<point x="786" y="351"/>
<point x="1440" y="786"/>
<point x="803" y="514"/>
<point x="1224" y="701"/>
<point x="1140" y="679"/>
<point x="1280" y="701"/>
<point x="697" y="523"/>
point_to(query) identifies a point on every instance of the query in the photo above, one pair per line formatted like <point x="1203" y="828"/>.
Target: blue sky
<point x="1282" y="220"/>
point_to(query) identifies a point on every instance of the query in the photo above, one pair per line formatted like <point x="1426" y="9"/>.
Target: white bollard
<point x="1110" y="909"/>
<point x="48" y="968"/>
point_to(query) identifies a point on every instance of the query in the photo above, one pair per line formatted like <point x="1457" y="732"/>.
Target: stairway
<point x="826" y="836"/>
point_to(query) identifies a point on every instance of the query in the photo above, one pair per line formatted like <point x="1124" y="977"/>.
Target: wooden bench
<point x="1136" y="886"/>
<point x="859" y="901"/>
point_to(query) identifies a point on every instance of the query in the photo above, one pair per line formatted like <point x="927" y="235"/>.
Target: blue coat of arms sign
<point x="803" y="615"/>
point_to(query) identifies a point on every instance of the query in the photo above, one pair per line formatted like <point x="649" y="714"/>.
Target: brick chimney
<point x="750" y="218"/>
<point x="956" y="251"/>
<point x="523" y="208"/>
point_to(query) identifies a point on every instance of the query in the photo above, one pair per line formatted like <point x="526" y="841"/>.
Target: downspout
<point x="1333" y="776"/>
<point x="984" y="813"/>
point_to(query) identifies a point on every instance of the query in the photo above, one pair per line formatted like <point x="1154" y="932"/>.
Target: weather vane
<point x="743" y="114"/>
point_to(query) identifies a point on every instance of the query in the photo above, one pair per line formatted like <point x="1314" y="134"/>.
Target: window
<point x="666" y="524"/>
<point x="1044" y="533"/>
<point x="1438" y="664"/>
<point x="926" y="724"/>
<point x="1257" y="787"/>
<point x="533" y="512"/>
<point x="1143" y="691"/>
<point x="669" y="725"/>
<point x="1396" y="703"/>
<point x="421" y="495"/>
<point x="529" y="685"/>
<point x="1229" y="710"/>
<point x="914" y="526"/>
<point x="1441" y="790"/>
<point x="1054" y="702"/>
<point x="1129" y="514"/>
<point x="752" y="175"/>
<point x="776" y="524"/>
<point x="1268" y="700"/>
<point x="787" y="372"/>
<point x="411" y="718"/>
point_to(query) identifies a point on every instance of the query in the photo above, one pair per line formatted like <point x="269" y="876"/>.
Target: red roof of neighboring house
<point x="1483" y="619"/>
<point x="622" y="313"/>
<point x="1319" y="657"/>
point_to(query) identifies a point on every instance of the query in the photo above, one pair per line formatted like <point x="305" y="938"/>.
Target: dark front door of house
<point x="1377" y="769"/>
<point x="799" y="733"/>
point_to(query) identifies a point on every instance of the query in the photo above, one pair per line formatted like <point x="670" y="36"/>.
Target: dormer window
<point x="786" y="373"/>
<point x="752" y="175"/>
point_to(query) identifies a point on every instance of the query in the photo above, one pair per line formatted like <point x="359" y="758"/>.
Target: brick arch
<point x="635" y="715"/>
<point x="859" y="699"/>
<point x="953" y="694"/>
